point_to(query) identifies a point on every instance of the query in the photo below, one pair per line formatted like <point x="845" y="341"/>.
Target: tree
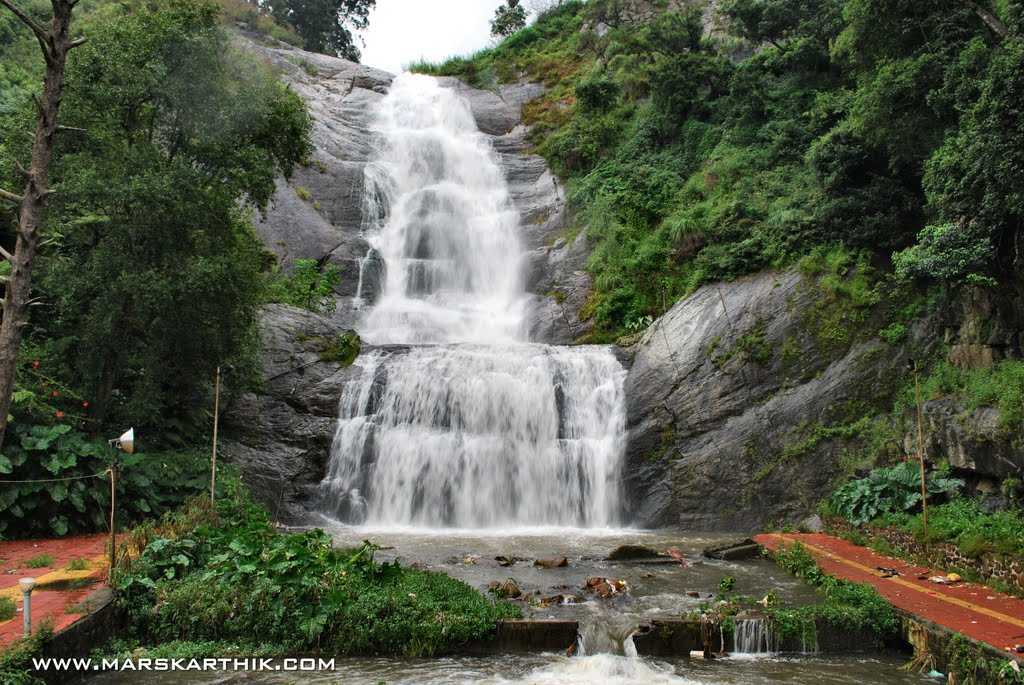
<point x="508" y="19"/>
<point x="152" y="276"/>
<point x="55" y="43"/>
<point x="325" y="25"/>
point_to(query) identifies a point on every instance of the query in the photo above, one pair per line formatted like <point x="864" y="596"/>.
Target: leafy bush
<point x="889" y="490"/>
<point x="149" y="484"/>
<point x="307" y="285"/>
<point x="227" y="576"/>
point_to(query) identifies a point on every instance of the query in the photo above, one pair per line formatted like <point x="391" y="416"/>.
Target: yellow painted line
<point x="991" y="613"/>
<point x="58" y="576"/>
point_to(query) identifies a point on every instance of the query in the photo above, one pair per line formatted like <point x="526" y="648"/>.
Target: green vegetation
<point x="965" y="523"/>
<point x="16" y="659"/>
<point x="77" y="565"/>
<point x="508" y="19"/>
<point x="325" y="26"/>
<point x="40" y="561"/>
<point x="896" y="489"/>
<point x="224" y="579"/>
<point x="693" y="158"/>
<point x="847" y="605"/>
<point x="307" y="285"/>
<point x="343" y="349"/>
<point x="150" y="275"/>
<point x="8" y="609"/>
<point x="1001" y="386"/>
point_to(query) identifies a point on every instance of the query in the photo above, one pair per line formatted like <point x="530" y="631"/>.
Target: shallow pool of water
<point x="655" y="590"/>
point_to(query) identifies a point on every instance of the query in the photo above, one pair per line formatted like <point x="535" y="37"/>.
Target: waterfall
<point x="755" y="636"/>
<point x="457" y="420"/>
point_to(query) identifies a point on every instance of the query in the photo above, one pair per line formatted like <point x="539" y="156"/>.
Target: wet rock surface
<point x="720" y="386"/>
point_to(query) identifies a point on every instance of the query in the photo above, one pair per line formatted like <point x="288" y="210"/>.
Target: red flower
<point x="85" y="405"/>
<point x="35" y="364"/>
<point x="60" y="414"/>
<point x="55" y="393"/>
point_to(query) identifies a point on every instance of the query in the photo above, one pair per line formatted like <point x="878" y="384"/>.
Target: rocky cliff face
<point x="732" y="402"/>
<point x="319" y="214"/>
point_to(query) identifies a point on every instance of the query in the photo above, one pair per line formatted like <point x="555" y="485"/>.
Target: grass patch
<point x="849" y="606"/>
<point x="343" y="349"/>
<point x="40" y="561"/>
<point x="8" y="609"/>
<point x="77" y="565"/>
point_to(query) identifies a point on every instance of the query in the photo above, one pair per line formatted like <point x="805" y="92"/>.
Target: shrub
<point x="8" y="609"/>
<point x="308" y="285"/>
<point x="229" y="577"/>
<point x="889" y="490"/>
<point x="40" y="561"/>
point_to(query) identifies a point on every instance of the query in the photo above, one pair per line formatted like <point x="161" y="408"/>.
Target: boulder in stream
<point x="553" y="562"/>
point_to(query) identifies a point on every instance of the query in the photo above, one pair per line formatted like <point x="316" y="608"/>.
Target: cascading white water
<point x="755" y="636"/>
<point x="467" y="425"/>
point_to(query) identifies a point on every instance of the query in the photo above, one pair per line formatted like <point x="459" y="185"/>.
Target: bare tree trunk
<point x="991" y="20"/>
<point x="55" y="43"/>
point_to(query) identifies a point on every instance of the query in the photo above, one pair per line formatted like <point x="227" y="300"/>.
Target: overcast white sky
<point x="403" y="31"/>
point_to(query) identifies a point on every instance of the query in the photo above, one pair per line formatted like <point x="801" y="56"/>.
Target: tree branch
<point x="991" y="20"/>
<point x="76" y="42"/>
<point x="16" y="199"/>
<point x="41" y="34"/>
<point x="6" y="255"/>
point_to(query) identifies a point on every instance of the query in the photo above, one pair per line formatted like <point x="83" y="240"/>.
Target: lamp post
<point x="126" y="444"/>
<point x="27" y="585"/>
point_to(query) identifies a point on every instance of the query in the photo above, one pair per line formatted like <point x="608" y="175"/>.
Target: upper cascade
<point x="467" y="424"/>
<point x="442" y="220"/>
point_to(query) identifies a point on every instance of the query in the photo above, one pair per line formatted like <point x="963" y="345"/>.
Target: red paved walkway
<point x="67" y="588"/>
<point x="968" y="608"/>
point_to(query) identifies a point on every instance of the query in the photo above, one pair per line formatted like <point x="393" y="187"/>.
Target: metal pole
<point x="113" y="522"/>
<point x="216" y="417"/>
<point x="920" y="455"/>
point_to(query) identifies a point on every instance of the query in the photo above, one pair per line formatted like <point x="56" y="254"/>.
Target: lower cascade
<point x="457" y="420"/>
<point x="755" y="636"/>
<point x="476" y="436"/>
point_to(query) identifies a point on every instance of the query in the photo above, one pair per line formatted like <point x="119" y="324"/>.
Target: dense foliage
<point x="695" y="154"/>
<point x="324" y="25"/>
<point x="151" y="275"/>
<point x="896" y="489"/>
<point x="508" y="18"/>
<point x="225" y="577"/>
<point x="307" y="285"/>
<point x="80" y="502"/>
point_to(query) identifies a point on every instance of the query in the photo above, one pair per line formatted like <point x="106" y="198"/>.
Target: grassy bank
<point x="220" y="580"/>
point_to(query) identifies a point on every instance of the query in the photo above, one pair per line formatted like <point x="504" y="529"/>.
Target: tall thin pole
<point x="216" y="417"/>
<point x="113" y="523"/>
<point x="920" y="455"/>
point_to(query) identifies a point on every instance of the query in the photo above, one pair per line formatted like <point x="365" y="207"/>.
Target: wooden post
<point x="216" y="417"/>
<point x="113" y="521"/>
<point x="920" y="455"/>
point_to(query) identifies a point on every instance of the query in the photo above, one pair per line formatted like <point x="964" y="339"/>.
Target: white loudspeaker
<point x="126" y="443"/>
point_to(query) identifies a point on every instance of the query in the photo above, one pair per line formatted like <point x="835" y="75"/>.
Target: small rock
<point x="554" y="562"/>
<point x="507" y="590"/>
<point x="812" y="524"/>
<point x="505" y="561"/>
<point x="693" y="593"/>
<point x="606" y="587"/>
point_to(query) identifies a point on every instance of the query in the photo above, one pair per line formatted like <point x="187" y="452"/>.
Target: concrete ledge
<point x="101" y="622"/>
<point x="526" y="636"/>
